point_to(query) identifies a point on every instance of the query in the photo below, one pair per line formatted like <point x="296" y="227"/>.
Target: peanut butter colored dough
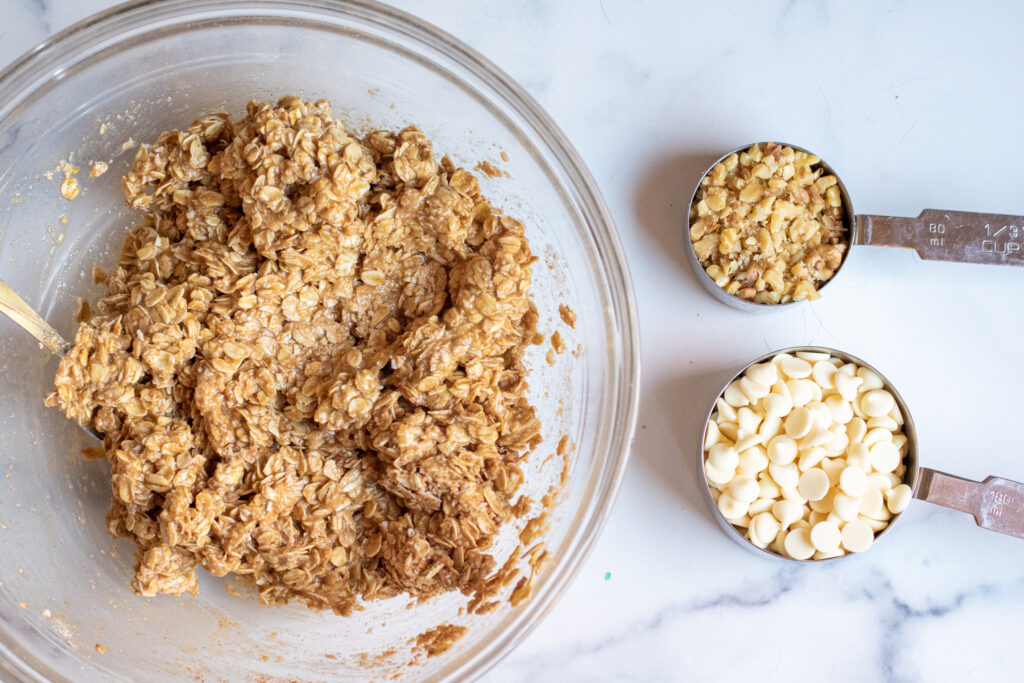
<point x="308" y="366"/>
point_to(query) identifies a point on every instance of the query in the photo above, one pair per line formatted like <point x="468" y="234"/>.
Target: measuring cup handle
<point x="996" y="503"/>
<point x="960" y="236"/>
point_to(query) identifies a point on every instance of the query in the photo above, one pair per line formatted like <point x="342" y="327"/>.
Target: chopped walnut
<point x="307" y="368"/>
<point x="767" y="226"/>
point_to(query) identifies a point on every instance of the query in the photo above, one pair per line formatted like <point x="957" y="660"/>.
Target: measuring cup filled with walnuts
<point x="771" y="224"/>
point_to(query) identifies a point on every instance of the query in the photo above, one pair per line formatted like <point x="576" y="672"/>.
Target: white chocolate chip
<point x="748" y="420"/>
<point x="825" y="504"/>
<point x="793" y="494"/>
<point x="825" y="536"/>
<point x="794" y="368"/>
<point x="812" y="356"/>
<point x="770" y="428"/>
<point x="786" y="476"/>
<point x="870" y="509"/>
<point x="779" y="546"/>
<point x="858" y="454"/>
<point x="842" y="411"/>
<point x="833" y="468"/>
<point x="734" y="396"/>
<point x="883" y="422"/>
<point x="748" y="441"/>
<point x="823" y="372"/>
<point x="839" y="442"/>
<point x="723" y="458"/>
<point x="769" y="489"/>
<point x="896" y="415"/>
<point x="726" y="413"/>
<point x="798" y="544"/>
<point x="877" y="402"/>
<point x="856" y="428"/>
<point x="818" y="437"/>
<point x="816" y="516"/>
<point x="876" y="525"/>
<point x="782" y="389"/>
<point x="838" y="552"/>
<point x="810" y="457"/>
<point x="764" y="527"/>
<point x="764" y="374"/>
<point x="753" y="390"/>
<point x="777" y="405"/>
<point x="760" y="506"/>
<point x="846" y="507"/>
<point x="857" y="536"/>
<point x="822" y="414"/>
<point x="787" y="511"/>
<point x="871" y="501"/>
<point x="782" y="450"/>
<point x="813" y="484"/>
<point x="884" y="456"/>
<point x="800" y="391"/>
<point x="752" y="461"/>
<point x="871" y="379"/>
<point x="799" y="423"/>
<point x="731" y="508"/>
<point x="847" y="386"/>
<point x="711" y="435"/>
<point x="898" y="498"/>
<point x="853" y="481"/>
<point x="875" y="435"/>
<point x="744" y="489"/>
<point x="877" y="480"/>
<point x="715" y="475"/>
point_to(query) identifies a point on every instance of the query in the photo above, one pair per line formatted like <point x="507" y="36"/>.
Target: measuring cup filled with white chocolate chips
<point x="810" y="454"/>
<point x="772" y="224"/>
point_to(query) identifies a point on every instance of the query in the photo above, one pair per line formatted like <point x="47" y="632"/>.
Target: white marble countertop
<point x="918" y="105"/>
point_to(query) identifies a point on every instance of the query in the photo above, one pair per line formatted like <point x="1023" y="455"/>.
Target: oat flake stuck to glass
<point x="308" y="365"/>
<point x="767" y="226"/>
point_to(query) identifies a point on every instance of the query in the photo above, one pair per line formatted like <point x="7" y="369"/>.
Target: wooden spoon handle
<point x="21" y="313"/>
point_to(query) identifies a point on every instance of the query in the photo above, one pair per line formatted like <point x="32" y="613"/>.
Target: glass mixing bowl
<point x="124" y="76"/>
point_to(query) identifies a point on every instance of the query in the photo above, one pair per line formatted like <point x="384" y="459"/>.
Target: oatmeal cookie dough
<point x="308" y="365"/>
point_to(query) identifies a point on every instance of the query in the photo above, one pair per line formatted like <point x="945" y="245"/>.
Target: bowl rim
<point x="46" y="62"/>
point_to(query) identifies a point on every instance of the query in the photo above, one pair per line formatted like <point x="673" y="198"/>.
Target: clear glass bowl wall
<point x="140" y="70"/>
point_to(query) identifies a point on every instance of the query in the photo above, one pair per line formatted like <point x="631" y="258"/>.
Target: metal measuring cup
<point x="936" y="235"/>
<point x="995" y="503"/>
